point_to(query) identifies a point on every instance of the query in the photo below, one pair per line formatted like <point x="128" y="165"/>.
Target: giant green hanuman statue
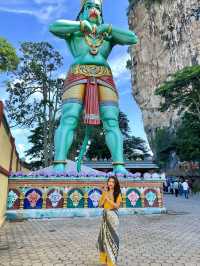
<point x="89" y="85"/>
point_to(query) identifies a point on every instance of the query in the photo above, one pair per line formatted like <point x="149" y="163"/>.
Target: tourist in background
<point x="185" y="188"/>
<point x="175" y="186"/>
<point x="180" y="188"/>
<point x="108" y="240"/>
<point x="171" y="187"/>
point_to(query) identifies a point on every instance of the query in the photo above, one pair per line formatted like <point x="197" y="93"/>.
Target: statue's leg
<point x="72" y="106"/>
<point x="114" y="140"/>
<point x="65" y="132"/>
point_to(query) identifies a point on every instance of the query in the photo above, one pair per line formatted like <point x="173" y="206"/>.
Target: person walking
<point x="171" y="188"/>
<point x="180" y="188"/>
<point x="175" y="185"/>
<point x="108" y="239"/>
<point x="185" y="188"/>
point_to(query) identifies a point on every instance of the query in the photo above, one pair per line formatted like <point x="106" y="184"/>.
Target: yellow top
<point x="109" y="205"/>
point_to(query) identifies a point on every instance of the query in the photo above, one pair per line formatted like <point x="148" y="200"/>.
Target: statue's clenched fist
<point x="86" y="26"/>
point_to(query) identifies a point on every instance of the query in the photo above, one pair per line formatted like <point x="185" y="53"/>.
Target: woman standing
<point x="108" y="240"/>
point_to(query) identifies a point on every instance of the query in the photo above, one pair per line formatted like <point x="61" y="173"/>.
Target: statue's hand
<point x="86" y="26"/>
<point x="104" y="29"/>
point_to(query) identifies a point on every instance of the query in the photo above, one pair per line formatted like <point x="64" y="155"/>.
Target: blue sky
<point x="28" y="20"/>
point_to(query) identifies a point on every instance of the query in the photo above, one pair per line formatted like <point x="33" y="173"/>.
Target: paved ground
<point x="172" y="239"/>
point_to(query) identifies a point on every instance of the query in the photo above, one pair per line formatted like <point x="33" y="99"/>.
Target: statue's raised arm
<point x="119" y="36"/>
<point x="64" y="28"/>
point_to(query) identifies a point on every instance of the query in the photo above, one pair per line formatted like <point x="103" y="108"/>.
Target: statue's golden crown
<point x="96" y="1"/>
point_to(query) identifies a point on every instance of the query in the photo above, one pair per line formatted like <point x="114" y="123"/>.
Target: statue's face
<point x="92" y="11"/>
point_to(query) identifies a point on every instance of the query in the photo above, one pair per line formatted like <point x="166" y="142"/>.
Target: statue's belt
<point x="91" y="70"/>
<point x="80" y="74"/>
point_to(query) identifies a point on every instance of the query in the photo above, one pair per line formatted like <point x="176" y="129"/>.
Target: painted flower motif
<point x="133" y="197"/>
<point x="137" y="174"/>
<point x="150" y="197"/>
<point x="95" y="196"/>
<point x="147" y="175"/>
<point x="12" y="197"/>
<point x="76" y="197"/>
<point x="55" y="197"/>
<point x="33" y="197"/>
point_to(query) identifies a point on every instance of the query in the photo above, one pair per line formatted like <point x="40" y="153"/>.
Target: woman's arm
<point x="116" y="204"/>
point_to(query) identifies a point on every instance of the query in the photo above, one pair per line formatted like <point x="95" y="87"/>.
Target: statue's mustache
<point x="93" y="13"/>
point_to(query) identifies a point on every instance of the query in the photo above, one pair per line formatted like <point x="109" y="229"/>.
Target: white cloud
<point x="62" y="75"/>
<point x="17" y="132"/>
<point x="43" y="10"/>
<point x="118" y="66"/>
<point x="3" y="100"/>
<point x="21" y="149"/>
<point x="121" y="74"/>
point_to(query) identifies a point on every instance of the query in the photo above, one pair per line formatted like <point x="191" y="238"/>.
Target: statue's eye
<point x="88" y="6"/>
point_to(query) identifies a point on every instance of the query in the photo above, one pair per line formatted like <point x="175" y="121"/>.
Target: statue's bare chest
<point x="81" y="45"/>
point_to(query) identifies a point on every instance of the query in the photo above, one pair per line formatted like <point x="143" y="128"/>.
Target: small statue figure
<point x="89" y="85"/>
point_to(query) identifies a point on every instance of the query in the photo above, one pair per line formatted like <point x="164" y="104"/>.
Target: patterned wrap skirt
<point x="108" y="239"/>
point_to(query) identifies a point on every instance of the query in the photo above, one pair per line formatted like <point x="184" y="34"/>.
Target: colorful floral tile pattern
<point x="75" y="198"/>
<point x="33" y="199"/>
<point x="150" y="198"/>
<point x="133" y="198"/>
<point x="93" y="198"/>
<point x="13" y="199"/>
<point x="55" y="199"/>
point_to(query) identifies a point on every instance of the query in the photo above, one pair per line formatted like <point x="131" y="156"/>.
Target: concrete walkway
<point x="168" y="239"/>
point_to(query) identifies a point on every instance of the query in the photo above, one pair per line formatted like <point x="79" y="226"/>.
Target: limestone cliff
<point x="169" y="39"/>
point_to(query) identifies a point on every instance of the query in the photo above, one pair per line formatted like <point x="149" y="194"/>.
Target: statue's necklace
<point x="94" y="41"/>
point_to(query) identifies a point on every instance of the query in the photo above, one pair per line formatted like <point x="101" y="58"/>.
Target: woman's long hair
<point x="117" y="189"/>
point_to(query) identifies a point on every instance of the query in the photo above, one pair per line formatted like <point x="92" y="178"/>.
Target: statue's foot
<point x="60" y="167"/>
<point x="120" y="169"/>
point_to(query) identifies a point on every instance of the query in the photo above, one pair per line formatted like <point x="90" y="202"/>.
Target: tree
<point x="8" y="58"/>
<point x="37" y="140"/>
<point x="188" y="139"/>
<point x="124" y="124"/>
<point x="35" y="94"/>
<point x="36" y="151"/>
<point x="182" y="91"/>
<point x="164" y="144"/>
<point x="134" y="148"/>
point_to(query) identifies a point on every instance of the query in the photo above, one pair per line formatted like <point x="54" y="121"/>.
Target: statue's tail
<point x="83" y="148"/>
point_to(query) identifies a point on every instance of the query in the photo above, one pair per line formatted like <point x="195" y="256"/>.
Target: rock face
<point x="169" y="39"/>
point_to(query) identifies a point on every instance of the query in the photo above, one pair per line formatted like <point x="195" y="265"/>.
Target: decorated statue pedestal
<point x="49" y="194"/>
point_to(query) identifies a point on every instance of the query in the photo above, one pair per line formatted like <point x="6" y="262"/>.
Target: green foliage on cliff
<point x="163" y="143"/>
<point x="187" y="141"/>
<point x="8" y="58"/>
<point x="184" y="141"/>
<point x="182" y="92"/>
